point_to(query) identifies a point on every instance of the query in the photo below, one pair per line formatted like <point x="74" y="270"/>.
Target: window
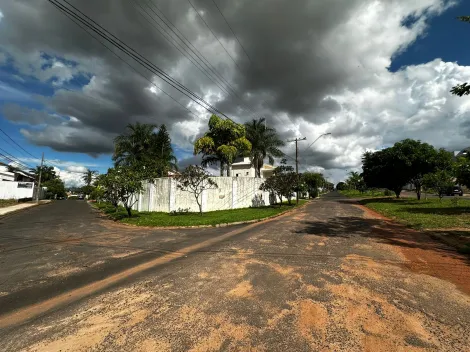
<point x="247" y="173"/>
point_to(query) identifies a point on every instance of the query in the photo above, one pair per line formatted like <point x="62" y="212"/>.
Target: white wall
<point x="10" y="190"/>
<point x="163" y="195"/>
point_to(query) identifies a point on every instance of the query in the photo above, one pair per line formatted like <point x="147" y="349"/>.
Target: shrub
<point x="388" y="193"/>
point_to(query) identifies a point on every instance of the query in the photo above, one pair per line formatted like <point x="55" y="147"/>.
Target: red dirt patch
<point x="423" y="254"/>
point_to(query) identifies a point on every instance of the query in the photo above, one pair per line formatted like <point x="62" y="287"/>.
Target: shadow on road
<point x="380" y="230"/>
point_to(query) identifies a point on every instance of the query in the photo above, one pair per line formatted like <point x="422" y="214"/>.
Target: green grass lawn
<point x="424" y="214"/>
<point x="367" y="194"/>
<point x="432" y="215"/>
<point x="7" y="202"/>
<point x="194" y="219"/>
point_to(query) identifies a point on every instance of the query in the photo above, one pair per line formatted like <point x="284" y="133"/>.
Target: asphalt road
<point x="329" y="277"/>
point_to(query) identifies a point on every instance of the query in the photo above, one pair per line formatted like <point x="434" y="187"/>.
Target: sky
<point x="370" y="72"/>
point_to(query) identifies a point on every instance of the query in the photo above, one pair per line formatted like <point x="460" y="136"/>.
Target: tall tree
<point x="89" y="176"/>
<point x="355" y="181"/>
<point x="406" y="162"/>
<point x="141" y="149"/>
<point x="48" y="173"/>
<point x="381" y="169"/>
<point x="164" y="151"/>
<point x="265" y="142"/>
<point x="224" y="141"/>
<point x="464" y="88"/>
<point x="133" y="148"/>
<point x="314" y="181"/>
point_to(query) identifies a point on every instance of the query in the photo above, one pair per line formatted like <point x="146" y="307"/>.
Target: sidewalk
<point x="18" y="207"/>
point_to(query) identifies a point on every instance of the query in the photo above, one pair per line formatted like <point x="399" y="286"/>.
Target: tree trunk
<point x="221" y="169"/>
<point x="129" y="211"/>
<point x="228" y="170"/>
<point x="199" y="205"/>
<point x="397" y="192"/>
<point x="418" y="192"/>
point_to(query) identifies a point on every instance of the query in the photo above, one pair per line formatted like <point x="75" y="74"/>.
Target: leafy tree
<point x="106" y="182"/>
<point x="462" y="170"/>
<point x="48" y="173"/>
<point x="224" y="141"/>
<point x="283" y="183"/>
<point x="314" y="181"/>
<point x="379" y="170"/>
<point x="265" y="142"/>
<point x="195" y="179"/>
<point x="439" y="181"/>
<point x="464" y="88"/>
<point x="341" y="186"/>
<point x="121" y="184"/>
<point x="406" y="162"/>
<point x="55" y="188"/>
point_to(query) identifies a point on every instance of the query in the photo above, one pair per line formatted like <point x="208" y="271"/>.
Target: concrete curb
<point x="206" y="226"/>
<point x="32" y="205"/>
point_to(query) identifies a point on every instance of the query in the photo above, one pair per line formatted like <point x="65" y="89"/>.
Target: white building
<point x="16" y="175"/>
<point x="242" y="167"/>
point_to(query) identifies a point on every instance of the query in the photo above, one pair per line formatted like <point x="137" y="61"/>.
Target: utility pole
<point x="297" y="165"/>
<point x="40" y="176"/>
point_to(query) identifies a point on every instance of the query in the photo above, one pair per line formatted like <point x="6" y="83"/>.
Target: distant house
<point x="242" y="167"/>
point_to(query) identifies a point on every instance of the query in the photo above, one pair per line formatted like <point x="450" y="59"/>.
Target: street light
<point x="324" y="134"/>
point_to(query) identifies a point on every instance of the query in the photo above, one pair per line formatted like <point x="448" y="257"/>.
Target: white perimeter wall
<point x="10" y="190"/>
<point x="163" y="195"/>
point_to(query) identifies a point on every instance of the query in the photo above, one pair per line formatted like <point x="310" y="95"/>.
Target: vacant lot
<point x="194" y="219"/>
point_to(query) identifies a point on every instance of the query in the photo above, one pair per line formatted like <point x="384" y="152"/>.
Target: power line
<point x="196" y="55"/>
<point x="16" y="160"/>
<point x="221" y="13"/>
<point x="134" y="69"/>
<point x="102" y="32"/>
<point x="203" y="20"/>
<point x="172" y="41"/>
<point x="17" y="143"/>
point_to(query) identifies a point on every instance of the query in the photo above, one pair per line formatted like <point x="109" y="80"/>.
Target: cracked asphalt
<point x="331" y="276"/>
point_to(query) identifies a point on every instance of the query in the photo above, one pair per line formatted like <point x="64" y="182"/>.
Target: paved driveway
<point x="330" y="277"/>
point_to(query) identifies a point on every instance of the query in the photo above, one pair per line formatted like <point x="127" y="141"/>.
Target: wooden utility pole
<point x="40" y="176"/>
<point x="297" y="165"/>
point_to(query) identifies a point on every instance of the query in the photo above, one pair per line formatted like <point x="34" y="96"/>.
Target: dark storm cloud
<point x="23" y="115"/>
<point x="289" y="70"/>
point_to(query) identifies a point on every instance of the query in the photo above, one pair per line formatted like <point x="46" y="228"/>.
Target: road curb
<point x="205" y="226"/>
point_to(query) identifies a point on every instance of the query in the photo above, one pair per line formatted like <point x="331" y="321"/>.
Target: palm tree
<point x="222" y="143"/>
<point x="144" y="150"/>
<point x="265" y="142"/>
<point x="133" y="148"/>
<point x="89" y="176"/>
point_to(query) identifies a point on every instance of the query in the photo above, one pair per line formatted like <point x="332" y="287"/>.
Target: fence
<point x="163" y="195"/>
<point x="16" y="190"/>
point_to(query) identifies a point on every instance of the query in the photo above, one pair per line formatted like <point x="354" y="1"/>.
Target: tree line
<point x="410" y="162"/>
